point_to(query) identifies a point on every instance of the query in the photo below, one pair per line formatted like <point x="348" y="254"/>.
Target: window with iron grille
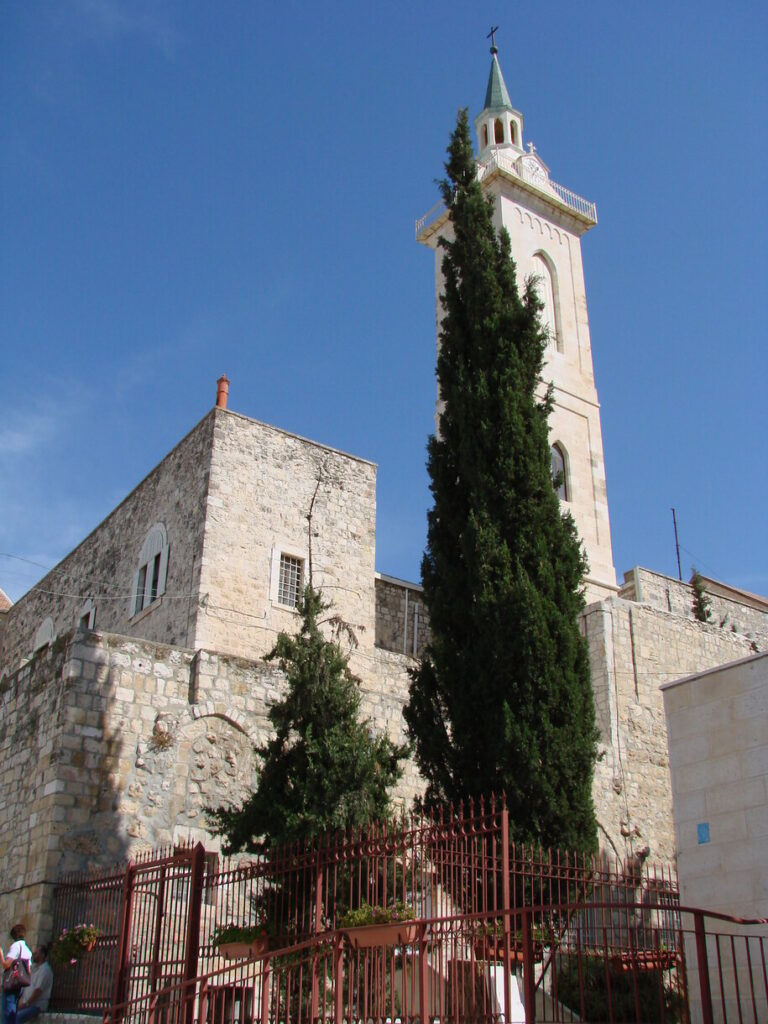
<point x="289" y="585"/>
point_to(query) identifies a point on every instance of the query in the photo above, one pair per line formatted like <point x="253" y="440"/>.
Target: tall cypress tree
<point x="502" y="700"/>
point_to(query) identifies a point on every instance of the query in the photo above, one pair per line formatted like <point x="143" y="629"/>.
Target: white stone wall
<point x="717" y="728"/>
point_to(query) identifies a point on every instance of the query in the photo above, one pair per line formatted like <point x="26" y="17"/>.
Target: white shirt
<point x="42" y="978"/>
<point x="19" y="951"/>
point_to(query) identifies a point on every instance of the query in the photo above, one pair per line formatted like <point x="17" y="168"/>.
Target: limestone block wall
<point x="734" y="613"/>
<point x="34" y="718"/>
<point x="110" y="744"/>
<point x="263" y="484"/>
<point x="101" y="568"/>
<point x="633" y="649"/>
<point x="402" y="621"/>
<point x="717" y="726"/>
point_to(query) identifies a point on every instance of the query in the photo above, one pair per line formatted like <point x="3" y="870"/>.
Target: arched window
<point x="546" y="289"/>
<point x="560" y="472"/>
<point x="512" y="133"/>
<point x="498" y="130"/>
<point x="149" y="578"/>
<point x="485" y="135"/>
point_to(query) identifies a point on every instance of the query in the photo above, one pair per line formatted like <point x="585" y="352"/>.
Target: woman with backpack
<point x="15" y="972"/>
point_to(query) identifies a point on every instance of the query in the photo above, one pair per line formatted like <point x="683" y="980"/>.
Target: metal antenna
<point x="677" y="546"/>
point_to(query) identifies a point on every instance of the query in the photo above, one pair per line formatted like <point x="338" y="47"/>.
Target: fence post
<point x="506" y="920"/>
<point x="701" y="957"/>
<point x="203" y="1015"/>
<point x="338" y="978"/>
<point x="423" y="994"/>
<point x="192" y="943"/>
<point x="529" y="984"/>
<point x="123" y="943"/>
<point x="265" y="981"/>
<point x="317" y="930"/>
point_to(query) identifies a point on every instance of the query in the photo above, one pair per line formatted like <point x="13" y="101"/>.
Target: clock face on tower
<point x="533" y="171"/>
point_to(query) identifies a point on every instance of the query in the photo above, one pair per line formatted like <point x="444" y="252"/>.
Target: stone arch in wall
<point x="215" y="766"/>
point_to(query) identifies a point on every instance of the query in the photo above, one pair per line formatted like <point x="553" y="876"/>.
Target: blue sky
<point x="188" y="188"/>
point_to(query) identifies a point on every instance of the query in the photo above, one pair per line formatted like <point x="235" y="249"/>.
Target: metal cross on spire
<point x="492" y="36"/>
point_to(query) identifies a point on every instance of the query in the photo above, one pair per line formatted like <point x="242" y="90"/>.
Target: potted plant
<point x="236" y="942"/>
<point x="489" y="943"/>
<point x="393" y="925"/>
<point x="73" y="943"/>
<point x="661" y="959"/>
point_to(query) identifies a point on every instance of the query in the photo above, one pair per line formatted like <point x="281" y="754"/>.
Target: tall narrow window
<point x="141" y="586"/>
<point x="546" y="290"/>
<point x="155" y="578"/>
<point x="559" y="476"/>
<point x="291" y="574"/>
<point x="86" y="618"/>
<point x="485" y="135"/>
<point x="498" y="130"/>
<point x="149" y="578"/>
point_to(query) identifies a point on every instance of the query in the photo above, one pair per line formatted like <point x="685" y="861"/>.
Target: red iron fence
<point x="498" y="927"/>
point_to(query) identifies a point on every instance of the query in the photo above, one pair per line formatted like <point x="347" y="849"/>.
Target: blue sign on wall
<point x="702" y="832"/>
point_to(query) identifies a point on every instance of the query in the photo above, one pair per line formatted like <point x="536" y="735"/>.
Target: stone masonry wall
<point x="33" y="721"/>
<point x="668" y="594"/>
<point x="633" y="649"/>
<point x="402" y="622"/>
<point x="263" y="484"/>
<point x="102" y="567"/>
<point x="110" y="744"/>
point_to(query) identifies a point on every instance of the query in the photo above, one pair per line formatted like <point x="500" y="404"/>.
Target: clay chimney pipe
<point x="222" y="391"/>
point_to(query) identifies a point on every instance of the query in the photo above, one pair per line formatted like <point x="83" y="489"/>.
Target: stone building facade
<point x="140" y="702"/>
<point x="132" y="681"/>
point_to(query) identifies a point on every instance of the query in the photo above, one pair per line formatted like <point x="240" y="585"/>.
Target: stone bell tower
<point x="545" y="222"/>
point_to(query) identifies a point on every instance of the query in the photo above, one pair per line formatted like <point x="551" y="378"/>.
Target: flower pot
<point x="493" y="950"/>
<point x="244" y="950"/>
<point x="644" y="960"/>
<point x="394" y="933"/>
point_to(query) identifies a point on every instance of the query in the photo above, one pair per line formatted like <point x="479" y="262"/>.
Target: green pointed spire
<point x="496" y="94"/>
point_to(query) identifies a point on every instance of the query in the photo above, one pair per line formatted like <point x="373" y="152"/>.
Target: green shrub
<point x="611" y="994"/>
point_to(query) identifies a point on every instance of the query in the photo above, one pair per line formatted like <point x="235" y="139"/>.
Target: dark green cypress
<point x="322" y="771"/>
<point x="502" y="700"/>
<point x="701" y="602"/>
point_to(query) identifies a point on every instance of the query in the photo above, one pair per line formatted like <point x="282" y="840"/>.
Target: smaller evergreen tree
<point x="701" y="603"/>
<point x="322" y="771"/>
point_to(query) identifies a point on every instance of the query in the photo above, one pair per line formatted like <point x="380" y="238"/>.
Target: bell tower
<point x="545" y="222"/>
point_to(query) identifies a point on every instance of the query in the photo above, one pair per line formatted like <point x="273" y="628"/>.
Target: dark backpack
<point x="16" y="976"/>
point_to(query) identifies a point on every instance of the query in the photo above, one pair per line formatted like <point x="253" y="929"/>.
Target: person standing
<point x="19" y="950"/>
<point x="35" y="998"/>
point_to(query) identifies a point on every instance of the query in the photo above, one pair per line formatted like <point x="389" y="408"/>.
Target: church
<point x="129" y="707"/>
